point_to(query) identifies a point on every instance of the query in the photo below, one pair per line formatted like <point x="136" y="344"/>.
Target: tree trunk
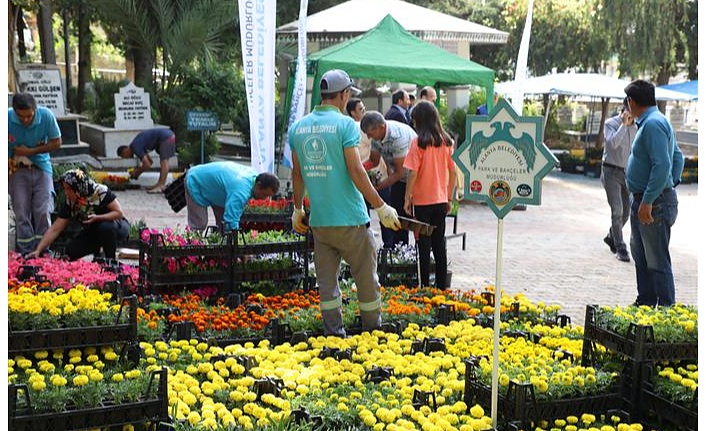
<point x="601" y="127"/>
<point x="11" y="61"/>
<point x="144" y="62"/>
<point x="46" y="32"/>
<point x="66" y="18"/>
<point x="20" y="23"/>
<point x="663" y="79"/>
<point x="85" y="38"/>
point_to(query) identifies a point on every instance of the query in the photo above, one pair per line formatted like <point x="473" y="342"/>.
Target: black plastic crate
<point x="638" y="344"/>
<point x="665" y="411"/>
<point x="154" y="272"/>
<point x="152" y="409"/>
<point x="519" y="405"/>
<point x="175" y="193"/>
<point x="76" y="338"/>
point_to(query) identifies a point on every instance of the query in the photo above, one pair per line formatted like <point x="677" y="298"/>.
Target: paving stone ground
<point x="553" y="252"/>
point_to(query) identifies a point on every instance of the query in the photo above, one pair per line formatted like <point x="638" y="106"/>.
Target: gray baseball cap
<point x="335" y="81"/>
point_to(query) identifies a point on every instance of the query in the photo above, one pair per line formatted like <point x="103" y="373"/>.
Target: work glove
<point x="388" y="217"/>
<point x="298" y="220"/>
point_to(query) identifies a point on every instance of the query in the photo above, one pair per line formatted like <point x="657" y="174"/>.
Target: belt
<point x="638" y="196"/>
<point x="608" y="165"/>
<point x="25" y="166"/>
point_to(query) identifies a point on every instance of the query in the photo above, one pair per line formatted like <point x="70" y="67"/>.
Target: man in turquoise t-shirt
<point x="226" y="187"/>
<point x="32" y="134"/>
<point x="326" y="162"/>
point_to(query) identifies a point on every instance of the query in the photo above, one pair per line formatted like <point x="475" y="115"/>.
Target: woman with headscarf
<point x="99" y="212"/>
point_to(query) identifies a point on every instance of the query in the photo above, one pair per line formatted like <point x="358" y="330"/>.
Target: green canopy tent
<point x="390" y="53"/>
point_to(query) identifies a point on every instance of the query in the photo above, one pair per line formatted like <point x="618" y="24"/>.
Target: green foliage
<point x="208" y="86"/>
<point x="189" y="150"/>
<point x="650" y="37"/>
<point x="103" y="109"/>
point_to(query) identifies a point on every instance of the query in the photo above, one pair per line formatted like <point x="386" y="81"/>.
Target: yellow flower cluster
<point x="304" y="375"/>
<point x="687" y="376"/>
<point x="56" y="303"/>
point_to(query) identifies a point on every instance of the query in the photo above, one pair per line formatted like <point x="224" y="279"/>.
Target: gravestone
<point x="44" y="83"/>
<point x="132" y="108"/>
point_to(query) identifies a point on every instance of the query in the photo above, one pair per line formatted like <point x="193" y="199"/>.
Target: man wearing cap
<point x="654" y="168"/>
<point x="327" y="165"/>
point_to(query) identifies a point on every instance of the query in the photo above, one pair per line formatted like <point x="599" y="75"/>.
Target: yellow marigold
<point x="477" y="411"/>
<point x="81" y="380"/>
<point x="588" y="418"/>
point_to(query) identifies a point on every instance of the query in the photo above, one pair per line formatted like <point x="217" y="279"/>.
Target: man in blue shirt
<point x="326" y="162"/>
<point x="226" y="187"/>
<point x="160" y="140"/>
<point x="32" y="134"/>
<point x="654" y="168"/>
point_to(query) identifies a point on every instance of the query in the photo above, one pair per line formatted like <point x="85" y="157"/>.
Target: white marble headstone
<point x="45" y="84"/>
<point x="132" y="108"/>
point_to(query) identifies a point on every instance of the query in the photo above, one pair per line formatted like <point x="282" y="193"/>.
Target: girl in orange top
<point x="430" y="185"/>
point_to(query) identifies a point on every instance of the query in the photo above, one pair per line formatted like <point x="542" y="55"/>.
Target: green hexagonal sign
<point x="504" y="159"/>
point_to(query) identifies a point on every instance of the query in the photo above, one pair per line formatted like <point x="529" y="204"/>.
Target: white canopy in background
<point x="582" y="84"/>
<point x="356" y="17"/>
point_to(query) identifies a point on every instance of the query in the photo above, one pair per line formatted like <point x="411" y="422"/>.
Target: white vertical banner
<point x="299" y="88"/>
<point x="521" y="66"/>
<point x="257" y="34"/>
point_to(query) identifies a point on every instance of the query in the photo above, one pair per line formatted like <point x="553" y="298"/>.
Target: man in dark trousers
<point x="160" y="140"/>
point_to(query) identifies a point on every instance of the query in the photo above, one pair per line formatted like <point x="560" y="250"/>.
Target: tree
<point x="651" y="37"/>
<point x="564" y="35"/>
<point x="46" y="32"/>
<point x="174" y="32"/>
<point x="81" y="15"/>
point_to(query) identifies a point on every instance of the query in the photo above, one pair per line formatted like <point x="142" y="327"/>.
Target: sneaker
<point x="609" y="241"/>
<point x="622" y="256"/>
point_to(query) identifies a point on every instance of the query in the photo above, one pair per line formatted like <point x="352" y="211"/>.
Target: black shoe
<point x="608" y="240"/>
<point x="622" y="256"/>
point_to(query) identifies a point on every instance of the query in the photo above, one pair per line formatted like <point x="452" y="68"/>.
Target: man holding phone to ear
<point x="619" y="132"/>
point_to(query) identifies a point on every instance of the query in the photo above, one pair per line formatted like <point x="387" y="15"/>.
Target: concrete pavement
<point x="553" y="252"/>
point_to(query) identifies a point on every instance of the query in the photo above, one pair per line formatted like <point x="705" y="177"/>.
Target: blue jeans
<point x="649" y="245"/>
<point x="31" y="191"/>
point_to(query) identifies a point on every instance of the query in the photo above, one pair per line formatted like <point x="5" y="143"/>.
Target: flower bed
<point x="410" y="376"/>
<point x="61" y="274"/>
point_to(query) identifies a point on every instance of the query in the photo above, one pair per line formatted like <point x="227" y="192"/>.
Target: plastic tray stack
<point x="640" y="352"/>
